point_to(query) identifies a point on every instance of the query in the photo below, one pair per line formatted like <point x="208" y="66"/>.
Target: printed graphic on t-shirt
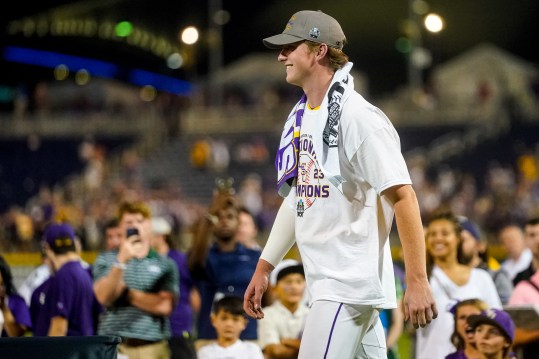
<point x="311" y="183"/>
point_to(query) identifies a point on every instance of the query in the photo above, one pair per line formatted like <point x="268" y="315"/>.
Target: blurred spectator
<point x="527" y="292"/>
<point x="13" y="308"/>
<point x="229" y="321"/>
<point x="39" y="311"/>
<point x="219" y="264"/>
<point x="279" y="332"/>
<point x="475" y="254"/>
<point x="20" y="230"/>
<point x="113" y="234"/>
<point x="462" y="338"/>
<point x="36" y="277"/>
<point x="220" y="156"/>
<point x="137" y="286"/>
<point x="181" y="319"/>
<point x="70" y="302"/>
<point x="518" y="255"/>
<point x="494" y="332"/>
<point x="250" y="193"/>
<point x="531" y="235"/>
<point x="247" y="231"/>
<point x="451" y="281"/>
<point x="200" y="154"/>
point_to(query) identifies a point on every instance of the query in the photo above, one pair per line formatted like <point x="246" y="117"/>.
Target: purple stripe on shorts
<point x="331" y="332"/>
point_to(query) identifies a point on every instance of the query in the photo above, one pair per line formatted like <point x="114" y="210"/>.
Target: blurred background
<point x="107" y="100"/>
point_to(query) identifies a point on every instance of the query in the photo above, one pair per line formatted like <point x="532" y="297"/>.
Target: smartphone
<point x="132" y="232"/>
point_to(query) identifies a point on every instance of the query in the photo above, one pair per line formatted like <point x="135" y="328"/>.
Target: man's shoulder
<point x="363" y="113"/>
<point x="162" y="261"/>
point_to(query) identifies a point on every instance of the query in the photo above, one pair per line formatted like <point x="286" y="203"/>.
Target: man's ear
<point x="322" y="50"/>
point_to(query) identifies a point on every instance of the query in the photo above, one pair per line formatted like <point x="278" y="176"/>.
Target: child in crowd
<point x="462" y="338"/>
<point x="229" y="320"/>
<point x="494" y="332"/>
<point x="279" y="332"/>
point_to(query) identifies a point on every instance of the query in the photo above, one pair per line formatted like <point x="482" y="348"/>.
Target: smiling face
<point x="299" y="60"/>
<point x="442" y="239"/>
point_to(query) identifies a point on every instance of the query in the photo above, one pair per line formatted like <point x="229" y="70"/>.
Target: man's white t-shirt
<point x="238" y="350"/>
<point x="343" y="235"/>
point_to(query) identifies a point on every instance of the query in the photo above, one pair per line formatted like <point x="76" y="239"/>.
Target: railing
<point x="75" y="125"/>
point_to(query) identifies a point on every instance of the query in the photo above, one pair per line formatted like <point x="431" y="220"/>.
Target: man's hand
<point x="252" y="301"/>
<point x="131" y="248"/>
<point x="221" y="199"/>
<point x="419" y="305"/>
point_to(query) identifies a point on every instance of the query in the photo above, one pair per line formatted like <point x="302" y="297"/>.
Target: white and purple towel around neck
<point x="286" y="161"/>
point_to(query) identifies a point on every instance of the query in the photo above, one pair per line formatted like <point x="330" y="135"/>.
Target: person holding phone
<point x="218" y="263"/>
<point x="138" y="288"/>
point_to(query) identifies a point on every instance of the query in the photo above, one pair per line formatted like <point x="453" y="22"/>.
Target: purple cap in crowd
<point x="496" y="317"/>
<point x="59" y="235"/>
<point x="471" y="227"/>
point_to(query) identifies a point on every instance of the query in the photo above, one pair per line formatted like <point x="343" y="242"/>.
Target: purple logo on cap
<point x="496" y="317"/>
<point x="59" y="235"/>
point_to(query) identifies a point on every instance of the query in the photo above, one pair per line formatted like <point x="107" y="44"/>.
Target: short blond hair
<point x="337" y="58"/>
<point x="137" y="207"/>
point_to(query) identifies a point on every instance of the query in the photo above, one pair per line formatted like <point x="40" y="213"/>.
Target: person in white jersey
<point x="343" y="176"/>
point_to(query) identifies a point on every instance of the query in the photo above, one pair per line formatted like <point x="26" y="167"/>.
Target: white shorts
<point x="342" y="331"/>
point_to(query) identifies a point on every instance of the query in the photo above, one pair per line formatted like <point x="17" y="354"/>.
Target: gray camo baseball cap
<point x="309" y="25"/>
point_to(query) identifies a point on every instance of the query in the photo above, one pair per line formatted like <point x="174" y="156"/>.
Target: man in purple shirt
<point x="69" y="300"/>
<point x="39" y="312"/>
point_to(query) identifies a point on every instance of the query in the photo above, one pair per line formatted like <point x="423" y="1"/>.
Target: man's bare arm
<point x="419" y="304"/>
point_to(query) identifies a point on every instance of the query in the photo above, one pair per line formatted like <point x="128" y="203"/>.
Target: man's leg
<point x="339" y="331"/>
